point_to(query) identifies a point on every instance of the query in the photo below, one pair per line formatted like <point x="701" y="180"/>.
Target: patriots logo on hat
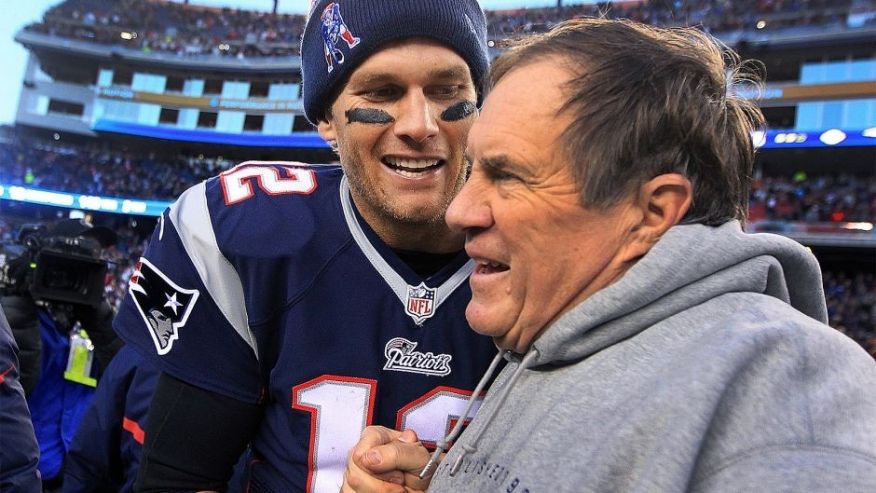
<point x="332" y="27"/>
<point x="420" y="304"/>
<point x="164" y="305"/>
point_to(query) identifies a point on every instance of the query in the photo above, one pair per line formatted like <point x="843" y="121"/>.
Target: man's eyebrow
<point x="500" y="162"/>
<point x="450" y="73"/>
<point x="374" y="79"/>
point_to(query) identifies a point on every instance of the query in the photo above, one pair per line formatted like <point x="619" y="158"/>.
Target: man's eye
<point x="450" y="91"/>
<point x="497" y="175"/>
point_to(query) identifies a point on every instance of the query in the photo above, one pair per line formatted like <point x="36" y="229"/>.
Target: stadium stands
<point x="91" y="169"/>
<point x="713" y="15"/>
<point x="813" y="199"/>
<point x="193" y="30"/>
<point x="174" y="27"/>
<point x="851" y="305"/>
<point x="99" y="170"/>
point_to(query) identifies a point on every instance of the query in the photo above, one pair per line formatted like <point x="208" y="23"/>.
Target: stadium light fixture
<point x="758" y="138"/>
<point x="832" y="137"/>
<point x="861" y="226"/>
<point x="790" y="138"/>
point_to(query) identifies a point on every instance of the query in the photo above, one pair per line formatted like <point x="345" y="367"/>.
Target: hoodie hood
<point x="706" y="366"/>
<point x="690" y="265"/>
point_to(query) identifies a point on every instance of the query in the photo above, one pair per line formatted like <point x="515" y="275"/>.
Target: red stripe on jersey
<point x="134" y="429"/>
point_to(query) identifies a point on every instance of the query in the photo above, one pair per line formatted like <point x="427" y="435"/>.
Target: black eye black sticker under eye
<point x="369" y="116"/>
<point x="459" y="111"/>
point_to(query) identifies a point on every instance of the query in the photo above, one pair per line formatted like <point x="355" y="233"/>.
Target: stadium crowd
<point x="851" y="305"/>
<point x="95" y="170"/>
<point x="153" y="26"/>
<point x="713" y="15"/>
<point x="187" y="30"/>
<point x="824" y="198"/>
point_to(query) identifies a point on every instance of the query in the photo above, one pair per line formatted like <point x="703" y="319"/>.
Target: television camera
<point x="61" y="264"/>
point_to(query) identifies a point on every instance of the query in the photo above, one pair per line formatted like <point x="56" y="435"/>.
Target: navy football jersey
<point x="265" y="283"/>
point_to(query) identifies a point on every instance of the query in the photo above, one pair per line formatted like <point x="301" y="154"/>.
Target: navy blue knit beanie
<point x="341" y="34"/>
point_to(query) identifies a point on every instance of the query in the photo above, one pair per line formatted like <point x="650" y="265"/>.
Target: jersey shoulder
<point x="263" y="208"/>
<point x="253" y="185"/>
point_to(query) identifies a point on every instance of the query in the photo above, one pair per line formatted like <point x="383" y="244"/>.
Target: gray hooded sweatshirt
<point x="706" y="367"/>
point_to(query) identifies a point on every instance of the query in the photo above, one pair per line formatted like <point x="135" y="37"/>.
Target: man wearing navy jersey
<point x="289" y="306"/>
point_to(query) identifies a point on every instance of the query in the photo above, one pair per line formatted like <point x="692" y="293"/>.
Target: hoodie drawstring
<point x="500" y="401"/>
<point x="531" y="355"/>
<point x="442" y="445"/>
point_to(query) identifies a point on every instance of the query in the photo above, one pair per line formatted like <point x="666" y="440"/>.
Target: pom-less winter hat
<point x="341" y="34"/>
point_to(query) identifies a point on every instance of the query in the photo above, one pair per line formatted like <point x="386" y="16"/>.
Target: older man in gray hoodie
<point x="652" y="344"/>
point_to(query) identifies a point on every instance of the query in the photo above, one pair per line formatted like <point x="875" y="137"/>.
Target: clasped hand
<point x="386" y="461"/>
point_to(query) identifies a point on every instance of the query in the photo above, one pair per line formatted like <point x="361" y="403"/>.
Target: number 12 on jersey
<point x="341" y="407"/>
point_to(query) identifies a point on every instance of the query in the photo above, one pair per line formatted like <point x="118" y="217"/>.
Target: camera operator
<point x="53" y="286"/>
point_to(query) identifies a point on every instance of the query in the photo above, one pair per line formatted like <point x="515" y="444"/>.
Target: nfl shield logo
<point x="420" y="304"/>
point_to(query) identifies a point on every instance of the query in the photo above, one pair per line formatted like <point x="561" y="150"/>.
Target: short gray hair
<point x="648" y="101"/>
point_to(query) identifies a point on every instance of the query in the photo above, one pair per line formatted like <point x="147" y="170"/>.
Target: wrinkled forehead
<point x="518" y="107"/>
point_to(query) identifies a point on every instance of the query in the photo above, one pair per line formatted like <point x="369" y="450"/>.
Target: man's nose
<point x="469" y="209"/>
<point x="417" y="119"/>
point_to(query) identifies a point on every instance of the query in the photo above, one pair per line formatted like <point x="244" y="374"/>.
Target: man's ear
<point x="660" y="204"/>
<point x="326" y="130"/>
<point x="665" y="199"/>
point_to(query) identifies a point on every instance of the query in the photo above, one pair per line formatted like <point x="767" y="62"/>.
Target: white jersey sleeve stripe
<point x="191" y="218"/>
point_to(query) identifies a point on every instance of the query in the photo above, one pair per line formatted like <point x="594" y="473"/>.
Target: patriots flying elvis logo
<point x="333" y="28"/>
<point x="163" y="304"/>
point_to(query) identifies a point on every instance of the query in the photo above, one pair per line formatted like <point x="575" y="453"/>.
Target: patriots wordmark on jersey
<point x="400" y="356"/>
<point x="266" y="283"/>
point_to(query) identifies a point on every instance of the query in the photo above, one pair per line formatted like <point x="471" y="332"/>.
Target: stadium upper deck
<point x="160" y="26"/>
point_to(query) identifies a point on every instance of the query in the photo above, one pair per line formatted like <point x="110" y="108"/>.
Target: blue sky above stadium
<point x="14" y="55"/>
